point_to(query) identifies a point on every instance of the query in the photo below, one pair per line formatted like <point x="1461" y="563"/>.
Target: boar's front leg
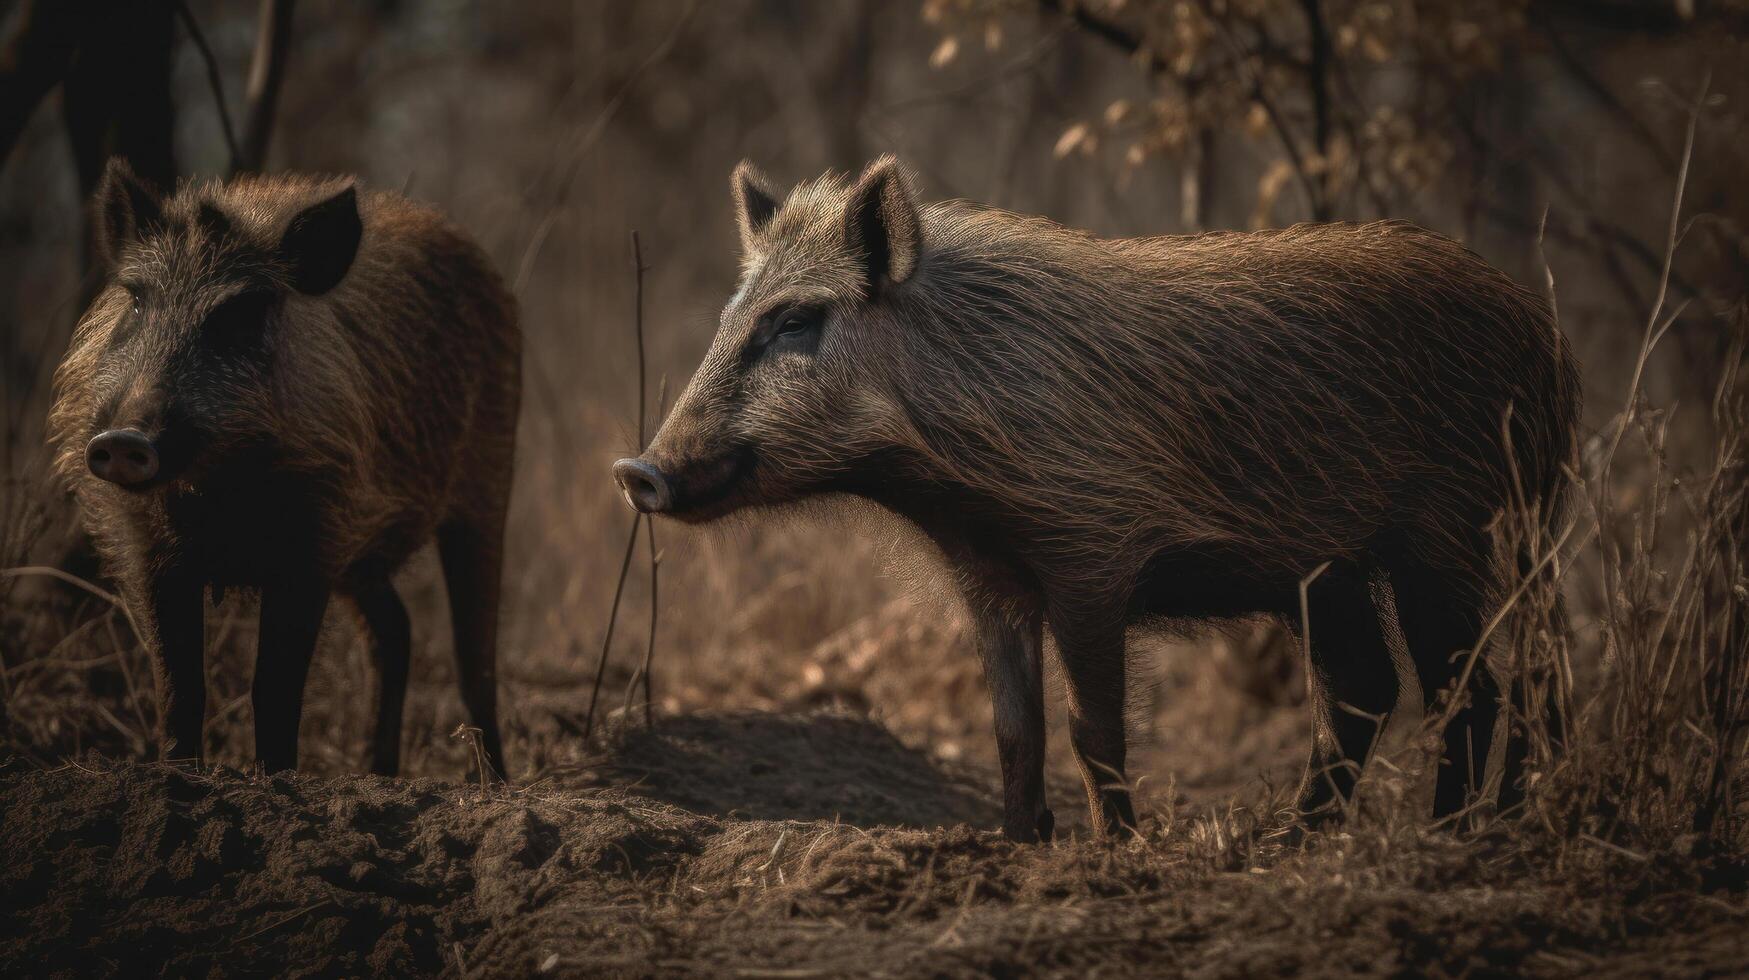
<point x="391" y="639"/>
<point x="1010" y="649"/>
<point x="175" y="604"/>
<point x="1090" y="642"/>
<point x="470" y="550"/>
<point x="291" y="620"/>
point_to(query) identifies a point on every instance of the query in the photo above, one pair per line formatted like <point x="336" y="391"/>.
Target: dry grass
<point x="1646" y="752"/>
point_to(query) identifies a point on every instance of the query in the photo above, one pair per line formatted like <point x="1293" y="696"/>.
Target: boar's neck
<point x="976" y="533"/>
<point x="246" y="527"/>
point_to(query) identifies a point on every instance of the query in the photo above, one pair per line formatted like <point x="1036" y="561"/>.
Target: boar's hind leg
<point x="472" y="568"/>
<point x="391" y="642"/>
<point x="1011" y="652"/>
<point x="1092" y="650"/>
<point x="291" y="621"/>
<point x="1546" y="713"/>
<point x="1356" y="687"/>
<point x="177" y="613"/>
<point x="1441" y="623"/>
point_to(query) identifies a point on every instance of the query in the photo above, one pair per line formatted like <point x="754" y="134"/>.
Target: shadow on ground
<point x="756" y="766"/>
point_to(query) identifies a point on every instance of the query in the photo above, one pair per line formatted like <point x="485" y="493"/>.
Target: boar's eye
<point x="237" y="322"/>
<point x="795" y="329"/>
<point x="795" y="321"/>
<point x="790" y="328"/>
<point x="136" y="300"/>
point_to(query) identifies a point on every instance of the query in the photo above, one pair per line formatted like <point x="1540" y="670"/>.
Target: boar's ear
<point x="881" y="223"/>
<point x="321" y="242"/>
<point x="127" y="209"/>
<point x="754" y="202"/>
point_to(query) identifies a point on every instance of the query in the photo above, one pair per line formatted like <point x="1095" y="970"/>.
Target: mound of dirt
<point x="758" y="766"/>
<point x="150" y="866"/>
<point x="152" y="869"/>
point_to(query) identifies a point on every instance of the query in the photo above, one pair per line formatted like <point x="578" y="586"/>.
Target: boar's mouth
<point x="705" y="489"/>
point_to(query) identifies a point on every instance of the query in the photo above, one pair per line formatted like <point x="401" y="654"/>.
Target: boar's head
<point x="173" y="368"/>
<point x="793" y="397"/>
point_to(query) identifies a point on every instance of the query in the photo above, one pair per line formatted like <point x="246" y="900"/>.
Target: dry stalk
<point x="638" y="269"/>
<point x="644" y="671"/>
<point x="471" y="735"/>
<point x="214" y="80"/>
<point x="1657" y="746"/>
<point x="625" y="566"/>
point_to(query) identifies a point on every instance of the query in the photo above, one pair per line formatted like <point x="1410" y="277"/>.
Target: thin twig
<point x="213" y="78"/>
<point x="642" y="674"/>
<point x="266" y="75"/>
<point x="1652" y="333"/>
<point x="612" y="617"/>
<point x="80" y="583"/>
<point x="1277" y="121"/>
<point x="638" y="270"/>
<point x="1649" y="338"/>
<point x="1656" y="326"/>
<point x="564" y="174"/>
<point x="127" y="676"/>
<point x="283" y="920"/>
<point x="655" y="568"/>
<point x="638" y="329"/>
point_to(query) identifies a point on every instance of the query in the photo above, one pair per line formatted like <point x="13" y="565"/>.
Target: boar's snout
<point x="122" y="456"/>
<point x="644" y="486"/>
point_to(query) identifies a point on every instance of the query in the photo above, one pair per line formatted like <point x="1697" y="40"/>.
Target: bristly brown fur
<point x="1099" y="431"/>
<point x="318" y="446"/>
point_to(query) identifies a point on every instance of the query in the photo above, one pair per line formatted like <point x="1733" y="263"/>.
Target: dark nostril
<point x="122" y="456"/>
<point x="644" y="486"/>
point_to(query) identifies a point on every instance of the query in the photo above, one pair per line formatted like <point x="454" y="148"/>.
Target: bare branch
<point x="1318" y="80"/>
<point x="214" y="80"/>
<point x="266" y="75"/>
<point x="33" y="61"/>
<point x="1600" y="93"/>
<point x="1111" y="33"/>
<point x="1277" y="121"/>
<point x="625" y="566"/>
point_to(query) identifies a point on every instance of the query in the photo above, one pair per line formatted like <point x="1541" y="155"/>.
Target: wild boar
<point x="1172" y="431"/>
<point x="287" y="386"/>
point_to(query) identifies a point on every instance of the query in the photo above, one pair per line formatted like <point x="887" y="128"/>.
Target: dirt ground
<point x="821" y="808"/>
<point x="817" y="797"/>
<point x="747" y="844"/>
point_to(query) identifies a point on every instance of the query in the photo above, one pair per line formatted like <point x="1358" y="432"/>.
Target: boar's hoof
<point x="1037" y="831"/>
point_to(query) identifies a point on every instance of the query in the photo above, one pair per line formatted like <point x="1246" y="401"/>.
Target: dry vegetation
<point x="816" y="793"/>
